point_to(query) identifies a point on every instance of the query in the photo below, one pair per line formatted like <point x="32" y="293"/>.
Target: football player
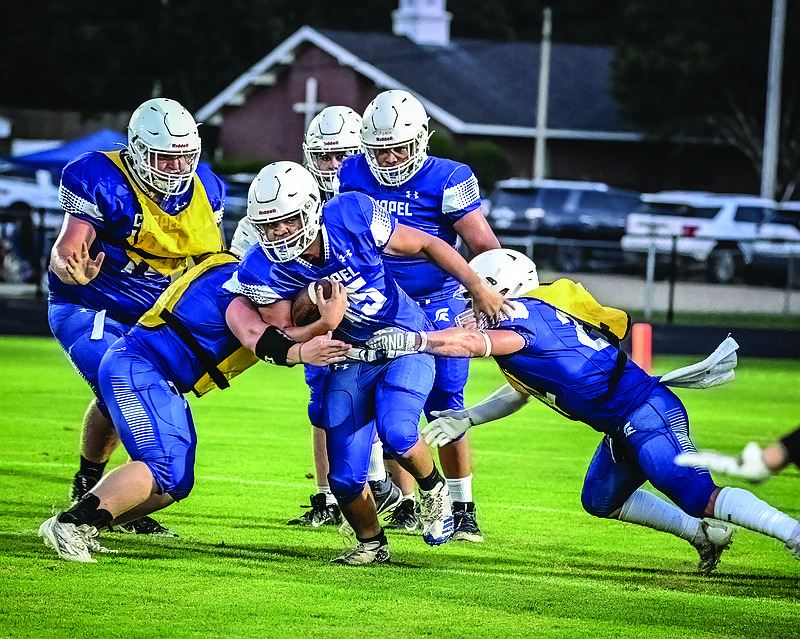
<point x="302" y="242"/>
<point x="440" y="197"/>
<point x="334" y="135"/>
<point x="133" y="219"/>
<point x="143" y="378"/>
<point x="546" y="353"/>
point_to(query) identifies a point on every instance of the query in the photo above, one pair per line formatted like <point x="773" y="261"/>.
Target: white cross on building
<point x="310" y="107"/>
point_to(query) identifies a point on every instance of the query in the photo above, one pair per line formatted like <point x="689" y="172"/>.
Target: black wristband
<point x="273" y="346"/>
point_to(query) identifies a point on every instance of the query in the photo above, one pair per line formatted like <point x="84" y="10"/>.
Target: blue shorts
<point x="152" y="418"/>
<point x="645" y="451"/>
<point x="451" y="372"/>
<point x="85" y="334"/>
<point x="315" y="378"/>
<point x="362" y="399"/>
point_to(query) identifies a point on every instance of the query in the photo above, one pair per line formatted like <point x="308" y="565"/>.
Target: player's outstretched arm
<point x="268" y="342"/>
<point x="749" y="465"/>
<point x="451" y="424"/>
<point x="319" y="351"/>
<point x="69" y="258"/>
<point x="409" y="241"/>
<point x="449" y="342"/>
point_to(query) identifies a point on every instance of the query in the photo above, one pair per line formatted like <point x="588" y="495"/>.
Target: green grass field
<point x="547" y="569"/>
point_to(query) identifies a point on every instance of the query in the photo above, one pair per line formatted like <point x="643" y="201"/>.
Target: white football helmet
<point x="244" y="237"/>
<point x="334" y="130"/>
<point x="509" y="272"/>
<point x="280" y="191"/>
<point x="395" y="118"/>
<point x="160" y="129"/>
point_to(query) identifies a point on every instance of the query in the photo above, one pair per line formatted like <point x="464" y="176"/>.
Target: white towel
<point x="714" y="370"/>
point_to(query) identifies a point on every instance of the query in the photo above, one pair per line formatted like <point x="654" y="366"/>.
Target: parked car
<point x="776" y="251"/>
<point x="570" y="225"/>
<point x="23" y="189"/>
<point x="723" y="233"/>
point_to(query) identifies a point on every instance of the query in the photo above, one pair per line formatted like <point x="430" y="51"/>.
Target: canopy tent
<point x="56" y="159"/>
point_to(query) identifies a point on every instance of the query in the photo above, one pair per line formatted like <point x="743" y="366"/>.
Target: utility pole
<point x="769" y="160"/>
<point x="544" y="84"/>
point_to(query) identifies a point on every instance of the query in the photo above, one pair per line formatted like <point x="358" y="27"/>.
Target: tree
<point x="94" y="55"/>
<point x="688" y="69"/>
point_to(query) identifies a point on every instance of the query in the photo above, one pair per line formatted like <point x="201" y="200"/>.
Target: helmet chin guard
<point x="281" y="192"/>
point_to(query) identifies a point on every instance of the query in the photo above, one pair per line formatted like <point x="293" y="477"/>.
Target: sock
<point x="86" y="511"/>
<point x="381" y="537"/>
<point x="92" y="469"/>
<point x="377" y="469"/>
<point x="460" y="489"/>
<point x="744" y="509"/>
<point x="412" y="496"/>
<point x="326" y="490"/>
<point x="646" y="509"/>
<point x="431" y="481"/>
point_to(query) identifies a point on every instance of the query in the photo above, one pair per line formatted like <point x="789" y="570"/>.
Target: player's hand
<point x="332" y="310"/>
<point x="395" y="340"/>
<point x="80" y="267"/>
<point x="748" y="465"/>
<point x="322" y="350"/>
<point x="449" y="425"/>
<point x="488" y="303"/>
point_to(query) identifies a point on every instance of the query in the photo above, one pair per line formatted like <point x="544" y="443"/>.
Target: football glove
<point x="449" y="425"/>
<point x="370" y="355"/>
<point x="392" y="339"/>
<point x="748" y="465"/>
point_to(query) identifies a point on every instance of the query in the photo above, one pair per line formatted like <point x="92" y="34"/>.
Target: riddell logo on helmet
<point x="180" y="146"/>
<point x="268" y="211"/>
<point x="386" y="139"/>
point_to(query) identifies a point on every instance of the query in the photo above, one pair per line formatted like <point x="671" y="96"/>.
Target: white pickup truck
<point x="723" y="232"/>
<point x="23" y="190"/>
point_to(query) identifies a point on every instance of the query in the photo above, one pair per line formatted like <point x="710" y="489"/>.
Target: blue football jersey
<point x="94" y="189"/>
<point x="200" y="306"/>
<point x="569" y="369"/>
<point x="355" y="231"/>
<point x="436" y="196"/>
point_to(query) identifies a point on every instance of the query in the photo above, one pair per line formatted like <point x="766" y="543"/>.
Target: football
<point x="304" y="305"/>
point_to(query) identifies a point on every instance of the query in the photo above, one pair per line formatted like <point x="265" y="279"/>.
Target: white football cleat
<point x="367" y="552"/>
<point x="436" y="513"/>
<point x="67" y="540"/>
<point x="748" y="465"/>
<point x="716" y="537"/>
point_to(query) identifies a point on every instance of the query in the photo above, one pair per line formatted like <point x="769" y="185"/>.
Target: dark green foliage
<point x="488" y="161"/>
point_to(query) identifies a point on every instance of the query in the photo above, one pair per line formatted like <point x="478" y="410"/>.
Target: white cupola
<point x="423" y="21"/>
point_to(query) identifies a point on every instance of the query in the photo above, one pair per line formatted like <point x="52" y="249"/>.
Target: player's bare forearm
<point x="456" y="342"/>
<point x="245" y="322"/>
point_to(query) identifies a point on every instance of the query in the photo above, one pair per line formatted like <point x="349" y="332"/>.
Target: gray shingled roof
<point x="496" y="83"/>
<point x="471" y="86"/>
